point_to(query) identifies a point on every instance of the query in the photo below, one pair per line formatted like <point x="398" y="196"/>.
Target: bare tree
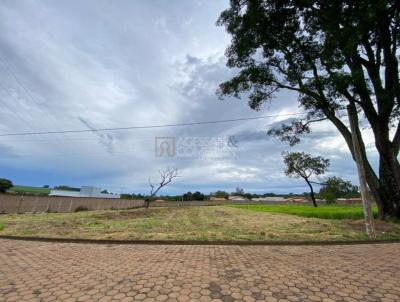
<point x="166" y="176"/>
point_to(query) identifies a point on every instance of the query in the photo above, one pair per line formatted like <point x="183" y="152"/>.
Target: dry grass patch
<point x="188" y="223"/>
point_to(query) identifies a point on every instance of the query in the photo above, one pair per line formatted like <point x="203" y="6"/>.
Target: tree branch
<point x="166" y="177"/>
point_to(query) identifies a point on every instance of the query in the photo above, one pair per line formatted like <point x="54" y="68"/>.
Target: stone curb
<point x="199" y="242"/>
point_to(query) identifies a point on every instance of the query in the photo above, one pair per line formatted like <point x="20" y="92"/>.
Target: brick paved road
<point x="36" y="271"/>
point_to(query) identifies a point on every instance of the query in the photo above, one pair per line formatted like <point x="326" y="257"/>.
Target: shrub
<point x="81" y="209"/>
<point x="5" y="184"/>
<point x="1" y="227"/>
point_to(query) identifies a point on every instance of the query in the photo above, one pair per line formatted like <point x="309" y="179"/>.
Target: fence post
<point x="20" y="202"/>
<point x="59" y="206"/>
<point x="70" y="205"/>
<point x="48" y="206"/>
<point x="35" y="204"/>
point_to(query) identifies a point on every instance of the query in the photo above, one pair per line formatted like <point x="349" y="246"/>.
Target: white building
<point x="269" y="199"/>
<point x="85" y="191"/>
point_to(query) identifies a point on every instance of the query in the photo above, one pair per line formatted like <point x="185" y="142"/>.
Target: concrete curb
<point x="197" y="242"/>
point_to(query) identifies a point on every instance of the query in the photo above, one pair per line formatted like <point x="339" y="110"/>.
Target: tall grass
<point x="323" y="212"/>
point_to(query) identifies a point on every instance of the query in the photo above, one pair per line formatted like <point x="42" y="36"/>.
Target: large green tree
<point x="334" y="54"/>
<point x="5" y="184"/>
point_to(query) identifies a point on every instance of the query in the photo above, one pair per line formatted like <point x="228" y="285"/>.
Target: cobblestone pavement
<point x="38" y="271"/>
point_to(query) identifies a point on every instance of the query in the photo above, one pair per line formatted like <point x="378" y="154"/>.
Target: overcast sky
<point x="71" y="65"/>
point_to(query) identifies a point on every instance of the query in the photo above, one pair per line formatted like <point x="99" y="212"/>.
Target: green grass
<point x="1" y="227"/>
<point x="29" y="189"/>
<point x="322" y="212"/>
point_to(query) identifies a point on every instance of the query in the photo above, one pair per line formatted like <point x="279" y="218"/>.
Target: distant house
<point x="85" y="191"/>
<point x="298" y="200"/>
<point x="213" y="198"/>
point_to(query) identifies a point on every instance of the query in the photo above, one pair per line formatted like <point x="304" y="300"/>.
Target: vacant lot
<point x="188" y="223"/>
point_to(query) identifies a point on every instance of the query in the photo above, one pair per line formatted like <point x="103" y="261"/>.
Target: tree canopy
<point x="221" y="194"/>
<point x="5" y="184"/>
<point x="300" y="164"/>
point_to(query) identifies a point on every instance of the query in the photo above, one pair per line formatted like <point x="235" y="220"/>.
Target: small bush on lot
<point x="330" y="198"/>
<point x="81" y="209"/>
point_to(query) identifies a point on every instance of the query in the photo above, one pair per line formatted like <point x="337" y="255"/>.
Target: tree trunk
<point x="389" y="186"/>
<point x="389" y="171"/>
<point x="369" y="220"/>
<point x="312" y="193"/>
<point x="371" y="177"/>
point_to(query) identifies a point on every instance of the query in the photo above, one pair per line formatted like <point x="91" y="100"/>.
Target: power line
<point x="5" y="63"/>
<point x="150" y="126"/>
<point x="11" y="109"/>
